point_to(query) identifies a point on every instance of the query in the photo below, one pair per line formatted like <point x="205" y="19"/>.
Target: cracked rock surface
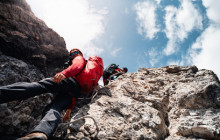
<point x="156" y="103"/>
<point x="173" y="102"/>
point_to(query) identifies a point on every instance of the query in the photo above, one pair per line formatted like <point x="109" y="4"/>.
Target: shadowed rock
<point x="25" y="37"/>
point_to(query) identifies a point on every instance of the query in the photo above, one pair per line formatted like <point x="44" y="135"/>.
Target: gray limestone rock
<point x="157" y="103"/>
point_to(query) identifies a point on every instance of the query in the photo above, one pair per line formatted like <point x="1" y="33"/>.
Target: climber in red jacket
<point x="79" y="78"/>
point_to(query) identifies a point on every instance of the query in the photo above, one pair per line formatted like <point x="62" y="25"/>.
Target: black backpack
<point x="109" y="70"/>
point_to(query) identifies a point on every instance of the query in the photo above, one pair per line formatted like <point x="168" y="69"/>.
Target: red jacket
<point x="78" y="71"/>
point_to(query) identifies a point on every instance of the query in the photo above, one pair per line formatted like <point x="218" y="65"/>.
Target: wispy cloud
<point x="179" y="22"/>
<point x="158" y="1"/>
<point x="205" y="51"/>
<point x="154" y="56"/>
<point x="146" y="18"/>
<point x="77" y="21"/>
<point x="114" y="52"/>
<point x="174" y="62"/>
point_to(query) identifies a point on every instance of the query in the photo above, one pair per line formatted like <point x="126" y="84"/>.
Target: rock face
<point x="13" y="70"/>
<point x="156" y="103"/>
<point x="19" y="117"/>
<point x="29" y="51"/>
<point x="160" y="103"/>
<point x="25" y="37"/>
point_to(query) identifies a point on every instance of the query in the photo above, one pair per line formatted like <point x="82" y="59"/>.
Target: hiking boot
<point x="34" y="136"/>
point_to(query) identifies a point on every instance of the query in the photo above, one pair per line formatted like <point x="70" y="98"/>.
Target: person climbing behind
<point x="80" y="77"/>
<point x="112" y="72"/>
<point x="118" y="72"/>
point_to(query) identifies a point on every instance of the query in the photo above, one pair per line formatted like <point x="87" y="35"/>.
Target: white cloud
<point x="146" y="18"/>
<point x="91" y="49"/>
<point x="212" y="9"/>
<point x="209" y="43"/>
<point x="154" y="56"/>
<point x="171" y="28"/>
<point x="158" y="1"/>
<point x="179" y="22"/>
<point x="204" y="53"/>
<point x="188" y="18"/>
<point x="77" y="21"/>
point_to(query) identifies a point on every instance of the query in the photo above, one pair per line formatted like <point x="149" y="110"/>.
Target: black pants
<point x="51" y="114"/>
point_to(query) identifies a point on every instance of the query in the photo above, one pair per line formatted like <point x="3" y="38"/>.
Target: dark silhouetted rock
<point x="24" y="36"/>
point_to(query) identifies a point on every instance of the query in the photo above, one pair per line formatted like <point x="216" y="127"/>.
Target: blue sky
<point x="138" y="33"/>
